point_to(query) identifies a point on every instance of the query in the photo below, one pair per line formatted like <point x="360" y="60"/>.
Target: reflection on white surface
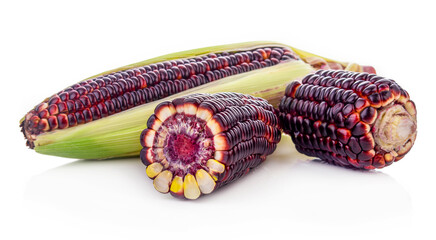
<point x="292" y="192"/>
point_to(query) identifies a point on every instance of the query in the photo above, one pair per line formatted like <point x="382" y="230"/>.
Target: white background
<point x="48" y="45"/>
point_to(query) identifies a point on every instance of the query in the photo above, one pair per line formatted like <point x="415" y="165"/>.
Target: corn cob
<point x="118" y="91"/>
<point x="195" y="144"/>
<point x="356" y="120"/>
<point x="102" y="116"/>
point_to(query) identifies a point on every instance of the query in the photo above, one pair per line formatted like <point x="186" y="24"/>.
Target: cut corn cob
<point x="102" y="116"/>
<point x="200" y="142"/>
<point x="350" y="119"/>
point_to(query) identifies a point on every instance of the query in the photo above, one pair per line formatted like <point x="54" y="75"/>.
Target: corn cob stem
<point x="319" y="62"/>
<point x="394" y="127"/>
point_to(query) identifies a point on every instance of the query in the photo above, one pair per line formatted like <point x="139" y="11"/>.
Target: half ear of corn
<point x="350" y="119"/>
<point x="198" y="143"/>
<point x="103" y="116"/>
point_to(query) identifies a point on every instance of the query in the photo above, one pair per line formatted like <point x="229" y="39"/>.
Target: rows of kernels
<point x="330" y="115"/>
<point x="105" y="95"/>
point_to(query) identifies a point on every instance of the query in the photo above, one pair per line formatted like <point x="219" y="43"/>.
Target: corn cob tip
<point x="357" y="120"/>
<point x="195" y="144"/>
<point x="27" y="121"/>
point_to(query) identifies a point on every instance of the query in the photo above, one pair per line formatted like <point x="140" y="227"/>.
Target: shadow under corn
<point x="287" y="187"/>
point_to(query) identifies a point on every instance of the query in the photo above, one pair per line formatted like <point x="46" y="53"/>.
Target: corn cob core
<point x="357" y="120"/>
<point x="115" y="92"/>
<point x="195" y="144"/>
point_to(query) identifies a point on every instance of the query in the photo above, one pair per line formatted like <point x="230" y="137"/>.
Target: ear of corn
<point x="118" y="135"/>
<point x="356" y="120"/>
<point x="102" y="116"/>
<point x="201" y="142"/>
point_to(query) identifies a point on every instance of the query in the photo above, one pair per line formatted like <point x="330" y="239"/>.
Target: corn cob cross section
<point x="356" y="120"/>
<point x="201" y="142"/>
